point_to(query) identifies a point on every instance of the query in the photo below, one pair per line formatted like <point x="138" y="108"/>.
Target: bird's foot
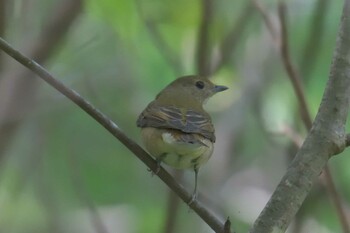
<point x="157" y="169"/>
<point x="193" y="198"/>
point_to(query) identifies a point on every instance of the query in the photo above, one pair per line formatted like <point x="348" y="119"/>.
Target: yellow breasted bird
<point x="176" y="129"/>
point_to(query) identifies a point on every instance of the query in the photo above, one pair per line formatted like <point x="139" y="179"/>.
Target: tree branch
<point x="3" y="7"/>
<point x="80" y="189"/>
<point x="230" y="42"/>
<point x="173" y="205"/>
<point x="313" y="45"/>
<point x="292" y="72"/>
<point x="16" y="88"/>
<point x="326" y="138"/>
<point x="203" y="45"/>
<point x="164" y="49"/>
<point x="268" y="22"/>
<point x="110" y="126"/>
<point x="304" y="110"/>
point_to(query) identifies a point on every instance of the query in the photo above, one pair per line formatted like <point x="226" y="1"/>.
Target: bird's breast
<point x="177" y="149"/>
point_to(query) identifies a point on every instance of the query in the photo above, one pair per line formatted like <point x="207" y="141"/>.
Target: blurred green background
<point x="62" y="172"/>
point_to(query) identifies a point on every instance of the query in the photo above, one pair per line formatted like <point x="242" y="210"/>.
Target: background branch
<point x="110" y="126"/>
<point x="326" y="138"/>
<point x="18" y="87"/>
<point x="292" y="72"/>
<point x="313" y="45"/>
<point x="164" y="49"/>
<point x="230" y="42"/>
<point x="203" y="44"/>
<point x="80" y="189"/>
<point x="3" y="7"/>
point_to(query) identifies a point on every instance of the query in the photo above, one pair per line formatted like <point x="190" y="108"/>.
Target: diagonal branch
<point x="326" y="138"/>
<point x="3" y="6"/>
<point x="268" y="22"/>
<point x="111" y="127"/>
<point x="292" y="72"/>
<point x="164" y="49"/>
<point x="296" y="81"/>
<point x="230" y="42"/>
<point x="313" y="44"/>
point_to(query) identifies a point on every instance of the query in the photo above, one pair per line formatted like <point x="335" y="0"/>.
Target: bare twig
<point x="203" y="44"/>
<point x="3" y="7"/>
<point x="267" y="20"/>
<point x="3" y="15"/>
<point x="333" y="193"/>
<point x="230" y="42"/>
<point x="313" y="45"/>
<point x="173" y="207"/>
<point x="292" y="72"/>
<point x="227" y="226"/>
<point x="83" y="196"/>
<point x="110" y="126"/>
<point x="164" y="49"/>
<point x="17" y="90"/>
<point x="326" y="138"/>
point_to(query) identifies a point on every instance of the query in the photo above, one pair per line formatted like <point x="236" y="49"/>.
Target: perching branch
<point x="111" y="127"/>
<point x="326" y="138"/>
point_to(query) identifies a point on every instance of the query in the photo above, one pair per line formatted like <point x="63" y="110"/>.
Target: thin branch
<point x="16" y="88"/>
<point x="230" y="42"/>
<point x="268" y="22"/>
<point x="3" y="7"/>
<point x="326" y="138"/>
<point x="164" y="49"/>
<point x="227" y="226"/>
<point x="293" y="74"/>
<point x="333" y="193"/>
<point x="110" y="126"/>
<point x="79" y="186"/>
<point x="203" y="44"/>
<point x="173" y="207"/>
<point x="313" y="45"/>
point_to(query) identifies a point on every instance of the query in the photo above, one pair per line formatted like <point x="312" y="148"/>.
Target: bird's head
<point x="191" y="89"/>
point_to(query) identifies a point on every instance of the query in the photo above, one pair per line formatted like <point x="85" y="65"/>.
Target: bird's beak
<point x="218" y="88"/>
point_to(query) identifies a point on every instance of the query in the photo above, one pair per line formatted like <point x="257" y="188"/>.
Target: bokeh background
<point x="62" y="172"/>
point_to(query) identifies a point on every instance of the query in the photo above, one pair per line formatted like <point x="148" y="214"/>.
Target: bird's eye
<point x="200" y="84"/>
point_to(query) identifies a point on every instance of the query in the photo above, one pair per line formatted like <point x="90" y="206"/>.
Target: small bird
<point x="175" y="128"/>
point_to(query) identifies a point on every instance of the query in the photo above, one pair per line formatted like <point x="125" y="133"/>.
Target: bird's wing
<point x="170" y="117"/>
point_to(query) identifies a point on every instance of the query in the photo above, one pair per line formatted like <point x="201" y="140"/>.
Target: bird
<point x="175" y="128"/>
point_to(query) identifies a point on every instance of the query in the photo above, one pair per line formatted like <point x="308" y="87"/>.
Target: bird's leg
<point x="159" y="161"/>
<point x="194" y="194"/>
